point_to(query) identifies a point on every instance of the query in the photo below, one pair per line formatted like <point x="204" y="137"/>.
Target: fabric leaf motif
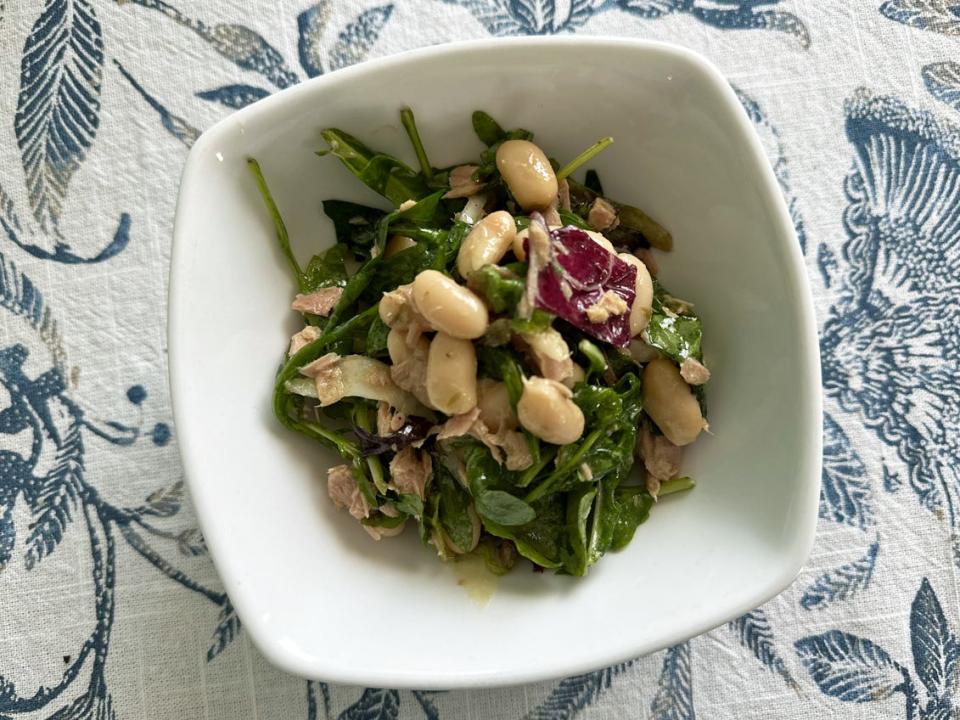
<point x="164" y="502"/>
<point x="934" y="646"/>
<point x="54" y="502"/>
<point x="845" y="496"/>
<point x="674" y="698"/>
<point x="7" y="532"/>
<point x="650" y="8"/>
<point x="573" y="694"/>
<point x="228" y="627"/>
<point x="939" y="16"/>
<point x="58" y="109"/>
<point x="754" y="631"/>
<point x="843" y="582"/>
<point x="175" y="125"/>
<point x="943" y="82"/>
<point x="374" y="704"/>
<point x="311" y="24"/>
<point x="234" y="96"/>
<point x="851" y="668"/>
<point x="356" y="39"/>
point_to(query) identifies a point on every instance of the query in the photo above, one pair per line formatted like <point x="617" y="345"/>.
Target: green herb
<point x="586" y="156"/>
<point x="568" y="217"/>
<point x="326" y="270"/>
<point x="283" y="238"/>
<point x="410" y="125"/>
<point x="539" y="540"/>
<point x="635" y="226"/>
<point x="595" y="358"/>
<point x="502" y="508"/>
<point x="376" y="345"/>
<point x="411" y="505"/>
<point x="356" y="225"/>
<point x="631" y="508"/>
<point x="384" y="174"/>
<point x="676" y="336"/>
<point x="500" y="289"/>
<point x="539" y="321"/>
<point x="680" y="484"/>
<point x="579" y="505"/>
<point x="487" y="129"/>
<point x="454" y="508"/>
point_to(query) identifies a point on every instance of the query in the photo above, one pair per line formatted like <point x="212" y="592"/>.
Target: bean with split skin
<point x="642" y="307"/>
<point x="527" y="172"/>
<point x="449" y="307"/>
<point x="452" y="374"/>
<point x="670" y="402"/>
<point x="487" y="242"/>
<point x="547" y="411"/>
<point x="494" y="403"/>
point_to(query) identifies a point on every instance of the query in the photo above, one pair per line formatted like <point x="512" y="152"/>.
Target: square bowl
<point x="317" y="596"/>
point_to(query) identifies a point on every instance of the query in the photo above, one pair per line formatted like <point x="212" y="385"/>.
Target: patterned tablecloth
<point x="109" y="605"/>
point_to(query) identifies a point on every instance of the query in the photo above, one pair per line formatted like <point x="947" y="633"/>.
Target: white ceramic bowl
<point x="317" y="596"/>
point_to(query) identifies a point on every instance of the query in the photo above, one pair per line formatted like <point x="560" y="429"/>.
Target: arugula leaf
<point x="454" y="507"/>
<point x="326" y="270"/>
<point x="538" y="321"/>
<point x="409" y="123"/>
<point x="501" y="507"/>
<point x="568" y="217"/>
<point x="356" y="226"/>
<point x="283" y="237"/>
<point x="678" y="336"/>
<point x="635" y="228"/>
<point x="540" y="539"/>
<point x="487" y="129"/>
<point x="376" y="345"/>
<point x="502" y="364"/>
<point x="501" y="290"/>
<point x="631" y="508"/>
<point x="382" y="173"/>
<point x="579" y="505"/>
<point x="410" y="504"/>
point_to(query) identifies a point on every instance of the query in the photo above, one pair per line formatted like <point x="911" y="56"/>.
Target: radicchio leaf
<point x="414" y="429"/>
<point x="580" y="271"/>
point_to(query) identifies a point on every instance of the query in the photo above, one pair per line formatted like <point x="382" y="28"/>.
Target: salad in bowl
<point x="492" y="357"/>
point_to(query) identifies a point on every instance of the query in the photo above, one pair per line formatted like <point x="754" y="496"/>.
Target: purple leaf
<point x="579" y="273"/>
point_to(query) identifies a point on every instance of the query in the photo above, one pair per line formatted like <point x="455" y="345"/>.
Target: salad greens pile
<point x="358" y="377"/>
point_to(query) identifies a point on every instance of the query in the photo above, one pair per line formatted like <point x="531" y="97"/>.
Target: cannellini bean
<point x="398" y="243"/>
<point x="494" y="403"/>
<point x="518" y="240"/>
<point x="547" y="411"/>
<point x="579" y="375"/>
<point x="400" y="350"/>
<point x="527" y="173"/>
<point x="602" y="241"/>
<point x="670" y="402"/>
<point x="449" y="307"/>
<point x="487" y="243"/>
<point x="452" y="374"/>
<point x="642" y="307"/>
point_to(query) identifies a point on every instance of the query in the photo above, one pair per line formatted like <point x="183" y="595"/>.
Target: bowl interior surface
<point x="317" y="595"/>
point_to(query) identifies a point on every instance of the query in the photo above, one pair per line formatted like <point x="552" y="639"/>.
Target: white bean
<point x="398" y="243"/>
<point x="670" y="402"/>
<point x="494" y="403"/>
<point x="518" y="250"/>
<point x="528" y="174"/>
<point x="487" y="243"/>
<point x="452" y="374"/>
<point x="547" y="411"/>
<point x="400" y="350"/>
<point x="449" y="307"/>
<point x="642" y="307"/>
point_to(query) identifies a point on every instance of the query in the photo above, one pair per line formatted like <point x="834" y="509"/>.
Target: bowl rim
<point x="809" y="485"/>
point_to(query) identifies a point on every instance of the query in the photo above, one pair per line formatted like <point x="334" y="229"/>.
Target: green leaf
<point x="500" y="289"/>
<point x="409" y="123"/>
<point x="376" y="345"/>
<point x="503" y="508"/>
<point x="382" y="173"/>
<point x="586" y="156"/>
<point x="595" y="357"/>
<point x="631" y="508"/>
<point x="540" y="539"/>
<point x="326" y="270"/>
<point x="283" y="238"/>
<point x="498" y="555"/>
<point x="410" y="504"/>
<point x="538" y="321"/>
<point x="502" y="364"/>
<point x="579" y="505"/>
<point x="678" y="336"/>
<point x="487" y="129"/>
<point x="453" y="509"/>
<point x="568" y="217"/>
<point x="356" y="226"/>
<point x="383" y="521"/>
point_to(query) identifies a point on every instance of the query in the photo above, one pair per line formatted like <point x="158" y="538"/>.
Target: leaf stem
<point x="561" y="470"/>
<point x="410" y="125"/>
<point x="586" y="156"/>
<point x="282" y="236"/>
<point x="676" y="485"/>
